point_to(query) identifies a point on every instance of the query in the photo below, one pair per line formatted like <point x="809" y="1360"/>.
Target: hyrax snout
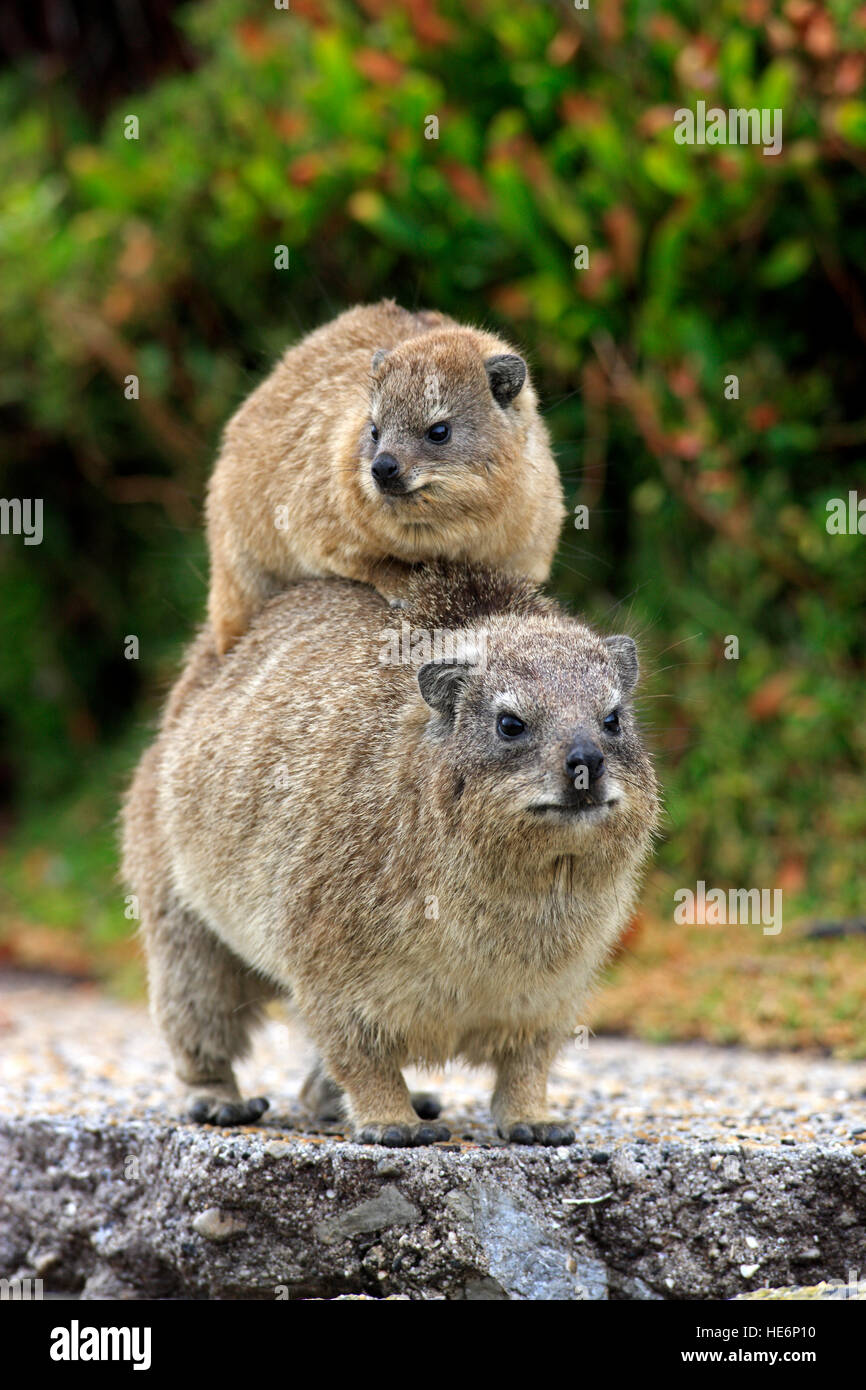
<point x="383" y="439"/>
<point x="429" y="827"/>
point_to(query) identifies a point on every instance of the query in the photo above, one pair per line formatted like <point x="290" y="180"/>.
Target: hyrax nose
<point x="585" y="754"/>
<point x="385" y="470"/>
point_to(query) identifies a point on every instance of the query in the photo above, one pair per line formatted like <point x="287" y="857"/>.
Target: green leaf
<point x="670" y="167"/>
<point x="786" y="262"/>
<point x="851" y="121"/>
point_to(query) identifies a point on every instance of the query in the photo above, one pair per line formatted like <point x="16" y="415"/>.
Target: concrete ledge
<point x="699" y="1174"/>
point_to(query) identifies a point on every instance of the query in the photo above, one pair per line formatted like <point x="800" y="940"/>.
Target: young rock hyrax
<point x="382" y="439"/>
<point x="435" y="860"/>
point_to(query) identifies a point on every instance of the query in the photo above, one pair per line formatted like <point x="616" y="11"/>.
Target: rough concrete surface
<point x="698" y="1173"/>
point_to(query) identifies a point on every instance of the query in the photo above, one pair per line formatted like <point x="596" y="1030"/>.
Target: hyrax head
<point x="538" y="731"/>
<point x="443" y="419"/>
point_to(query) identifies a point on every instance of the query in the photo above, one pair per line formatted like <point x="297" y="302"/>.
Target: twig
<point x="102" y="343"/>
<point x="736" y="529"/>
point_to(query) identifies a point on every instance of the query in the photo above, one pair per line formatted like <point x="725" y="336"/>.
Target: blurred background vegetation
<point x="305" y="127"/>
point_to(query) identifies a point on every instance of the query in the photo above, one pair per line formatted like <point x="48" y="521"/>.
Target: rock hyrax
<point x="382" y="439"/>
<point x="434" y="860"/>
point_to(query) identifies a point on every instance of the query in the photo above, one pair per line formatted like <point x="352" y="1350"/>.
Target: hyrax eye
<point x="374" y="432"/>
<point x="611" y="722"/>
<point x="439" y="434"/>
<point x="509" y="726"/>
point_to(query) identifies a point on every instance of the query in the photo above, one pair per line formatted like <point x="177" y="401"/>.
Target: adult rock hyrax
<point x="382" y="439"/>
<point x="434" y="860"/>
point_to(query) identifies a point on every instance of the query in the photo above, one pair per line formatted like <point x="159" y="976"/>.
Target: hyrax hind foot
<point x="322" y="1096"/>
<point x="395" y="1136"/>
<point x="537" y="1132"/>
<point x="220" y="1107"/>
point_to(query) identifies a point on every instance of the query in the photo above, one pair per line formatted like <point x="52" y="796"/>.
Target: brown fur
<point x="292" y="494"/>
<point x="304" y="807"/>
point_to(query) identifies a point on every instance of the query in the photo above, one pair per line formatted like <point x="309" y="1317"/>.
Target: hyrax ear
<point x="506" y="373"/>
<point x="378" y="358"/>
<point x="624" y="653"/>
<point x="442" y="682"/>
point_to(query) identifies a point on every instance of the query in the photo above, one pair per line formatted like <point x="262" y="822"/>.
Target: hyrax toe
<point x="398" y="1136"/>
<point x="537" y="1132"/>
<point x="216" y="1110"/>
<point x="427" y="1105"/>
<point x="431" y="1134"/>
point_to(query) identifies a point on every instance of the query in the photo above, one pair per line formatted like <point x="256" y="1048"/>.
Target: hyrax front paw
<point x="207" y="1109"/>
<point x="397" y="1136"/>
<point x="537" y="1132"/>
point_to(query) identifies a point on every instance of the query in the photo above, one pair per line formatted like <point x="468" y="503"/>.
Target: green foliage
<point x="307" y="128"/>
